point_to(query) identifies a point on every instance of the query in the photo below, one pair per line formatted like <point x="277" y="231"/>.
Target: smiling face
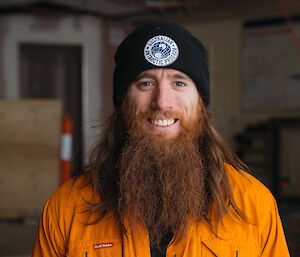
<point x="167" y="100"/>
<point x="163" y="119"/>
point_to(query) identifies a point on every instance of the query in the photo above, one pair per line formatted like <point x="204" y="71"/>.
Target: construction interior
<point x="56" y="66"/>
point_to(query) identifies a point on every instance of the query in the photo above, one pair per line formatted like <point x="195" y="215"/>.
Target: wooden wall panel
<point x="29" y="155"/>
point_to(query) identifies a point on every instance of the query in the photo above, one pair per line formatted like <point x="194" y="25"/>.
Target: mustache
<point x="157" y="114"/>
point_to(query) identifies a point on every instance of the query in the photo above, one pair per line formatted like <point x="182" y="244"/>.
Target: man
<point x="161" y="181"/>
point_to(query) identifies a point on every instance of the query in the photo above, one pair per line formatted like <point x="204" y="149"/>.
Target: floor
<point x="290" y="216"/>
<point x="16" y="238"/>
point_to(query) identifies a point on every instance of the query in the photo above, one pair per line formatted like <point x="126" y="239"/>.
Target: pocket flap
<point x="215" y="247"/>
<point x="212" y="247"/>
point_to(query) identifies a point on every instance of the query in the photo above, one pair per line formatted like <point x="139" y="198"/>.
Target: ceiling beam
<point x="135" y="11"/>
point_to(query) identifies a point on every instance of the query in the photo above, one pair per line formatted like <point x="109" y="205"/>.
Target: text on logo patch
<point x="161" y="51"/>
<point x="103" y="245"/>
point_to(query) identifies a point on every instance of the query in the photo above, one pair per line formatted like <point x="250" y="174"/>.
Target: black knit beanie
<point x="160" y="45"/>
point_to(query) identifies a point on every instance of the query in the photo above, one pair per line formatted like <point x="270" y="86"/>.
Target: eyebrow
<point x="145" y="75"/>
<point x="180" y="76"/>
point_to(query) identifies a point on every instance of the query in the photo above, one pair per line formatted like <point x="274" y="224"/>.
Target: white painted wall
<point x="78" y="30"/>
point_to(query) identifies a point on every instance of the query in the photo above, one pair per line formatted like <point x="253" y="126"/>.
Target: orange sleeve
<point x="49" y="239"/>
<point x="273" y="239"/>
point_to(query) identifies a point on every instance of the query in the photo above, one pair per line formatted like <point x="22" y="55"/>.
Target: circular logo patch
<point x="161" y="51"/>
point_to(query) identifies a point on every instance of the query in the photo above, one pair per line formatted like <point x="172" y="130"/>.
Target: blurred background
<point x="56" y="65"/>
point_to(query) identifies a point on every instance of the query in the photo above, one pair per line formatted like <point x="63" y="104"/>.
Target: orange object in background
<point x="66" y="148"/>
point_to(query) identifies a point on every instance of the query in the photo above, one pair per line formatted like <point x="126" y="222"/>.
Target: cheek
<point x="141" y="104"/>
<point x="194" y="98"/>
<point x="191" y="105"/>
<point x="141" y="100"/>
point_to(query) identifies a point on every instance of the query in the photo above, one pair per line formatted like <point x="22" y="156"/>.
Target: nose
<point x="163" y="99"/>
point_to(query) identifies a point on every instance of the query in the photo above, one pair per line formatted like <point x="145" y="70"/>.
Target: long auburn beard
<point x="161" y="181"/>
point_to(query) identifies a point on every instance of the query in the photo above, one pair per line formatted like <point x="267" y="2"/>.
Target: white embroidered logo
<point x="161" y="51"/>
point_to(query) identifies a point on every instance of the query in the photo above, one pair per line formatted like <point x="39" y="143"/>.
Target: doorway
<point x="54" y="71"/>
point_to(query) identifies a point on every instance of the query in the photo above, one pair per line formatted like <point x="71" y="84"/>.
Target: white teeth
<point x="163" y="123"/>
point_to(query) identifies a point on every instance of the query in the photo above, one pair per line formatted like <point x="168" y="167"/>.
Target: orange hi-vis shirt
<point x="63" y="229"/>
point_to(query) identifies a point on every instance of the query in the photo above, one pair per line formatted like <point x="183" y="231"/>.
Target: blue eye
<point x="144" y="85"/>
<point x="180" y="84"/>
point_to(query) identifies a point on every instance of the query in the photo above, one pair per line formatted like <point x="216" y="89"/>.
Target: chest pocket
<point x="108" y="248"/>
<point x="245" y="250"/>
<point x="213" y="247"/>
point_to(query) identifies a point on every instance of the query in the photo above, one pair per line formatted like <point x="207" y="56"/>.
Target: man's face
<point x="168" y="99"/>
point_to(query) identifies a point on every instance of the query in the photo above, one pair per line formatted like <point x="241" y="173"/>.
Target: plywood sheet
<point x="29" y="155"/>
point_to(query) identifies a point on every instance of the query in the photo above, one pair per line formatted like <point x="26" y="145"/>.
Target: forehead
<point x="165" y="72"/>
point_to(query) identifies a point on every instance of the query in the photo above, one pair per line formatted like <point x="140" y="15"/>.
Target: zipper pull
<point x="236" y="253"/>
